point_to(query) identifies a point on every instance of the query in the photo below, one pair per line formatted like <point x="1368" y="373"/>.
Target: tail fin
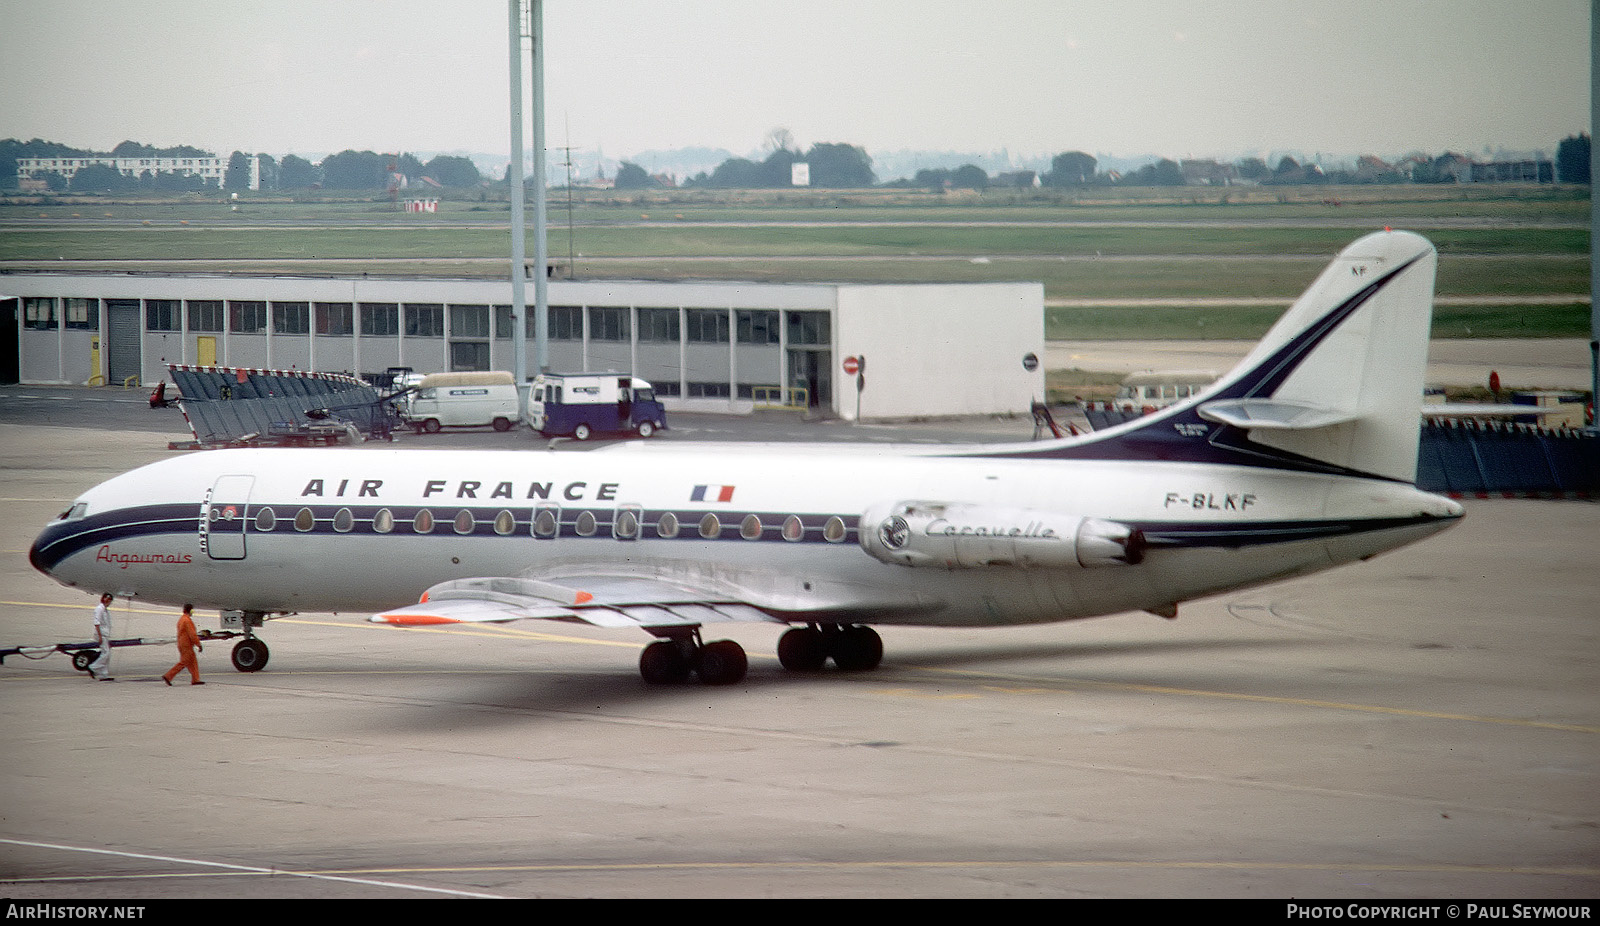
<point x="1335" y="386"/>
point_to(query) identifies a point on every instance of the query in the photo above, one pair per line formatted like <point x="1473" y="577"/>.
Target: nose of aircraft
<point x="39" y="552"/>
<point x="35" y="559"/>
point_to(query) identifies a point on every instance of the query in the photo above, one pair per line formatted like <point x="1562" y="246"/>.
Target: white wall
<point x="940" y="349"/>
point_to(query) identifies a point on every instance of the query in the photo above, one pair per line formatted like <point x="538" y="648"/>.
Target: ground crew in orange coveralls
<point x="188" y="643"/>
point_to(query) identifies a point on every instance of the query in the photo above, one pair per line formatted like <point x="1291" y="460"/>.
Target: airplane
<point x="1300" y="459"/>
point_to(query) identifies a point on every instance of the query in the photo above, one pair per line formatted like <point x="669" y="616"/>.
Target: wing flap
<point x="603" y="601"/>
<point x="463" y="611"/>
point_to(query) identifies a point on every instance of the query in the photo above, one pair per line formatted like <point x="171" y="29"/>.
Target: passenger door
<point x="226" y="516"/>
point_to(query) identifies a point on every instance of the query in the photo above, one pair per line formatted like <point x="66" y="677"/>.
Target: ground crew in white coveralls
<point x="100" y="669"/>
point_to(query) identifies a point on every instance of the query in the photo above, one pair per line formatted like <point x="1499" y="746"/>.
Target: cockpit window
<point x="75" y="512"/>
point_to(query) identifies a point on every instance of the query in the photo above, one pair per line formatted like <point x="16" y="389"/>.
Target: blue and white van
<point x="585" y="404"/>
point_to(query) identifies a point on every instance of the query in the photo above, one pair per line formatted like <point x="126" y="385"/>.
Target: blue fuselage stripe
<point x="61" y="540"/>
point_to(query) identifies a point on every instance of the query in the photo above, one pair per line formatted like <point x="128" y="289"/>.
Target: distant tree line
<point x="830" y="165"/>
<point x="1572" y="159"/>
<point x="353" y="171"/>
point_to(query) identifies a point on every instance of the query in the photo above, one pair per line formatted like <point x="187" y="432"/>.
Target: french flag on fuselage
<point x="711" y="494"/>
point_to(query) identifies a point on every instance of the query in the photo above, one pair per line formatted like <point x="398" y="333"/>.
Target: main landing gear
<point x="679" y="654"/>
<point x="670" y="660"/>
<point x="852" y="647"/>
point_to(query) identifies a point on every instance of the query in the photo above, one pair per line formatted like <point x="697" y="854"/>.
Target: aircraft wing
<point x="661" y="599"/>
<point x="604" y="601"/>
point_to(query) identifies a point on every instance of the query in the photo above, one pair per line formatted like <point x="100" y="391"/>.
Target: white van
<point x="1148" y="390"/>
<point x="461" y="400"/>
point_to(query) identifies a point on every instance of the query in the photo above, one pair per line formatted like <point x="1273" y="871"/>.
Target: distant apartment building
<point x="1524" y="171"/>
<point x="1208" y="173"/>
<point x="31" y="171"/>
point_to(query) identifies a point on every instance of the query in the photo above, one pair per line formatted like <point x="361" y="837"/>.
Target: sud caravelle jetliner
<point x="1300" y="459"/>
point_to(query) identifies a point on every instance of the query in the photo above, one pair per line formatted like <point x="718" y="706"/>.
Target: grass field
<point x="1514" y="261"/>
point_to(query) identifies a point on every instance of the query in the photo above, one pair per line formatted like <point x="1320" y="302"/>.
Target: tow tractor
<point x="249" y="654"/>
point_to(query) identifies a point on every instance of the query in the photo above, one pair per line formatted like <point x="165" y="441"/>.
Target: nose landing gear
<point x="250" y="655"/>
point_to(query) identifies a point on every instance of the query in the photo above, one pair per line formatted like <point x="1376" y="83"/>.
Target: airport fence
<point x="1473" y="458"/>
<point x="1469" y="458"/>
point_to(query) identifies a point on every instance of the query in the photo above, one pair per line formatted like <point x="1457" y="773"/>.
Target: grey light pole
<point x="519" y="300"/>
<point x="533" y="28"/>
<point x="541" y="248"/>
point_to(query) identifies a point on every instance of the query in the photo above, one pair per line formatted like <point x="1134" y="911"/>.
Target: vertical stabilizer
<point x="1353" y="352"/>
<point x="1335" y="386"/>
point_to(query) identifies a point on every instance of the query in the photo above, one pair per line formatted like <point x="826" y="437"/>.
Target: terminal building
<point x="915" y="349"/>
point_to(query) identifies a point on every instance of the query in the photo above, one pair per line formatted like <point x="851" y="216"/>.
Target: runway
<point x="1421" y="725"/>
<point x="1543" y="363"/>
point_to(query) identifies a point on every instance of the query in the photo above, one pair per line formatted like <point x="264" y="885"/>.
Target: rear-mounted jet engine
<point x="956" y="535"/>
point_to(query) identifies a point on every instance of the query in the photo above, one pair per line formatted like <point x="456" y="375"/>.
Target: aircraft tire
<point x="722" y="663"/>
<point x="803" y="649"/>
<point x="663" y="663"/>
<point x="857" y="648"/>
<point x="250" y="655"/>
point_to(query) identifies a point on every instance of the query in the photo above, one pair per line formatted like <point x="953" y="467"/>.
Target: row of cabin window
<point x="547" y="523"/>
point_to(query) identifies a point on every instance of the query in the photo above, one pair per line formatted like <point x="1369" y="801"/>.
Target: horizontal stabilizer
<point x="1273" y="415"/>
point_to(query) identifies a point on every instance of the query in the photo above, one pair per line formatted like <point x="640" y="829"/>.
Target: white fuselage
<point x="363" y="530"/>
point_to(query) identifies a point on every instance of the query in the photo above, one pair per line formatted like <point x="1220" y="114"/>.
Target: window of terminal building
<point x="504" y="324"/>
<point x="291" y="318"/>
<point x="205" y="315"/>
<point x="707" y="326"/>
<point x="566" y="323"/>
<point x="708" y="390"/>
<point x="380" y="319"/>
<point x="469" y="321"/>
<point x="425" y="321"/>
<point x="658" y="325"/>
<point x="39" y="314"/>
<point x="766" y="392"/>
<point x="757" y="326"/>
<point x="163" y="315"/>
<point x="81" y="314"/>
<point x="335" y="319"/>
<point x="809" y="328"/>
<point x="468" y="356"/>
<point x="608" y="324"/>
<point x="247" y="317"/>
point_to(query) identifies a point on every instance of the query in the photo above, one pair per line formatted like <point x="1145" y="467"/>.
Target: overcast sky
<point x="1118" y="77"/>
